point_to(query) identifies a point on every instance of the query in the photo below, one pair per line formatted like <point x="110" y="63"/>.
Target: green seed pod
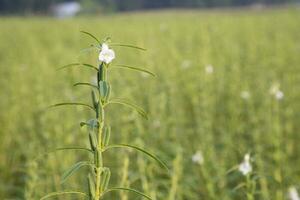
<point x="93" y="140"/>
<point x="105" y="179"/>
<point x="94" y="99"/>
<point x="107" y="93"/>
<point x="106" y="136"/>
<point x="103" y="89"/>
<point x="91" y="186"/>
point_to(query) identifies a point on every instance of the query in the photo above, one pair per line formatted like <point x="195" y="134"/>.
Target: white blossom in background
<point x="293" y="194"/>
<point x="209" y="69"/>
<point x="279" y="95"/>
<point x="276" y="92"/>
<point x="198" y="158"/>
<point x="186" y="64"/>
<point x="245" y="94"/>
<point x="106" y="54"/>
<point x="245" y="167"/>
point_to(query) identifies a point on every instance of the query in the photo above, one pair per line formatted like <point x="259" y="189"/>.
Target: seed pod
<point x="102" y="72"/>
<point x="94" y="99"/>
<point x="91" y="186"/>
<point x="106" y="136"/>
<point x="103" y="89"/>
<point x="107" y="93"/>
<point x="105" y="179"/>
<point x="92" y="141"/>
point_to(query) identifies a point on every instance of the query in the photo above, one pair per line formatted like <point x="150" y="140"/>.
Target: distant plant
<point x="98" y="131"/>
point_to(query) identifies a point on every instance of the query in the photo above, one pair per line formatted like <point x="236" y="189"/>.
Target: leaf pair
<point x="129" y="104"/>
<point x="141" y="150"/>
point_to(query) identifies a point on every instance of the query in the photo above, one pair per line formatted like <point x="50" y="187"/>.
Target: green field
<point x="214" y="92"/>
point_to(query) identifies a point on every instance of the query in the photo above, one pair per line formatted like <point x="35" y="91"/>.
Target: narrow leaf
<point x="141" y="150"/>
<point x="129" y="190"/>
<point x="134" y="68"/>
<point x="53" y="194"/>
<point x="72" y="104"/>
<point x="129" y="104"/>
<point x="128" y="45"/>
<point x="72" y="148"/>
<point x="91" y="35"/>
<point x="73" y="169"/>
<point x="78" y="64"/>
<point x="87" y="84"/>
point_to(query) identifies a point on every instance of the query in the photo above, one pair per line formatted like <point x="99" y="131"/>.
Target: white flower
<point x="106" y="54"/>
<point x="198" y="158"/>
<point x="279" y="95"/>
<point x="245" y="94"/>
<point x="276" y="92"/>
<point x="293" y="194"/>
<point x="245" y="167"/>
<point x="209" y="69"/>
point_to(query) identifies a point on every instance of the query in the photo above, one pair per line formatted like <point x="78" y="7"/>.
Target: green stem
<point x="98" y="158"/>
<point x="250" y="194"/>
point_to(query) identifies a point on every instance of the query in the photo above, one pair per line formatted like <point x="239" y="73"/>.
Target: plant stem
<point x="100" y="118"/>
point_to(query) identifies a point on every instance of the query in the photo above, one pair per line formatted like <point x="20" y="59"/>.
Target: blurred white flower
<point x="245" y="94"/>
<point x="276" y="92"/>
<point x="245" y="167"/>
<point x="198" y="158"/>
<point x="185" y="64"/>
<point x="279" y="95"/>
<point x="106" y="54"/>
<point x="209" y="69"/>
<point x="293" y="194"/>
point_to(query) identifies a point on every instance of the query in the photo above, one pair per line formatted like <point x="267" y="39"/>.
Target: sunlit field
<point x="227" y="84"/>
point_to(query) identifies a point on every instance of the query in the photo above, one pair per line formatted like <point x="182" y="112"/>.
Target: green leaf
<point x="128" y="45"/>
<point x="91" y="35"/>
<point x="134" y="68"/>
<point x="71" y="148"/>
<point x="239" y="186"/>
<point x="53" y="194"/>
<point x="141" y="150"/>
<point x="72" y="104"/>
<point x="87" y="84"/>
<point x="129" y="190"/>
<point x="78" y="64"/>
<point x="73" y="169"/>
<point x="129" y="104"/>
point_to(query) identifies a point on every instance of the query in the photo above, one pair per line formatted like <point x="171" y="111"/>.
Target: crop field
<point x="227" y="84"/>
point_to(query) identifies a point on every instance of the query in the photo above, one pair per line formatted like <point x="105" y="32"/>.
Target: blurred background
<point x="65" y="7"/>
<point x="227" y="84"/>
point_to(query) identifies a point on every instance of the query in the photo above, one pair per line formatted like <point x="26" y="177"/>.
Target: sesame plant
<point x="249" y="183"/>
<point x="99" y="131"/>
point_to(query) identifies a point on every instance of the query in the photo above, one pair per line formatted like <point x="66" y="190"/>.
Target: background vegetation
<point x="42" y="7"/>
<point x="191" y="107"/>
